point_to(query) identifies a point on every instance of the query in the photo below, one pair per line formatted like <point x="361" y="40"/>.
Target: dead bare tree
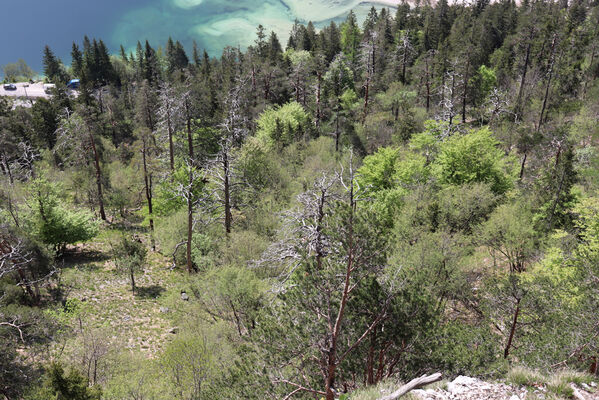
<point x="369" y="49"/>
<point x="337" y="255"/>
<point x="234" y="130"/>
<point x="17" y="257"/>
<point x="170" y="117"/>
<point x="404" y="54"/>
<point x="449" y="93"/>
<point x="76" y="140"/>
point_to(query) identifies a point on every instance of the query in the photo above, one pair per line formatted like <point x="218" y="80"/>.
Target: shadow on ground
<point x="149" y="292"/>
<point x="83" y="258"/>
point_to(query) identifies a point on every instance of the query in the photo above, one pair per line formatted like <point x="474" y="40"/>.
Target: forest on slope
<point x="416" y="194"/>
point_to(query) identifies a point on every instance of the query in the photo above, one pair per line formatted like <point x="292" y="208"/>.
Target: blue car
<point x="10" y="86"/>
<point x="73" y="84"/>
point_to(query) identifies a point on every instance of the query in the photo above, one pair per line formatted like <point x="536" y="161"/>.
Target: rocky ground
<point x="467" y="388"/>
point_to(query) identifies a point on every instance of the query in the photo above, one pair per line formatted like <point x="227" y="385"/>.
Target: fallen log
<point x="413" y="384"/>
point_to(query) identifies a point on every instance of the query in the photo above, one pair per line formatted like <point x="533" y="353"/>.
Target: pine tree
<point x="77" y="61"/>
<point x="52" y="67"/>
<point x="274" y="48"/>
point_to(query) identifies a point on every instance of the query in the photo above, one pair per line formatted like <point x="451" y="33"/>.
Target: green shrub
<point x="59" y="385"/>
<point x="54" y="223"/>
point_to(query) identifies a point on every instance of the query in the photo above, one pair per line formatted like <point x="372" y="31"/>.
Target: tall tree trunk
<point x="189" y="222"/>
<point x="428" y="86"/>
<point x="465" y="92"/>
<point x="331" y="362"/>
<point x="318" y="116"/>
<point x="147" y="182"/>
<point x="171" y="148"/>
<point x="508" y="346"/>
<point x="337" y="132"/>
<point x="403" y="65"/>
<point x="27" y="286"/>
<point x="547" y="87"/>
<point x="370" y="359"/>
<point x="149" y="115"/>
<point x="523" y="78"/>
<point x="586" y="81"/>
<point x="227" y="193"/>
<point x="366" y="98"/>
<point x="98" y="176"/>
<point x="297" y="87"/>
<point x="189" y="134"/>
<point x="6" y="167"/>
<point x="522" y="166"/>
<point x="132" y="280"/>
<point x="452" y="98"/>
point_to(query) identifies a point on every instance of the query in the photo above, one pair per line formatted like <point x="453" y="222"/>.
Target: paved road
<point x="25" y="90"/>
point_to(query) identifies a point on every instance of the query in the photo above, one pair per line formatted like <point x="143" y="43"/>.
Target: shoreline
<point x="390" y="3"/>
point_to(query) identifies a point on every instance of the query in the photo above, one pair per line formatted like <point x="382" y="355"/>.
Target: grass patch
<point x="520" y="376"/>
<point x="377" y="391"/>
<point x="557" y="384"/>
<point x="561" y="380"/>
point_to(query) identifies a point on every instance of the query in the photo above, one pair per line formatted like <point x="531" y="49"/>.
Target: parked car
<point x="73" y="84"/>
<point x="10" y="86"/>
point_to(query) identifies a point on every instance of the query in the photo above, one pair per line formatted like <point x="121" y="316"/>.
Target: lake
<point x="28" y="25"/>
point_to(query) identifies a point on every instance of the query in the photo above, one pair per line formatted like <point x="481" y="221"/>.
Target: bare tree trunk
<point x="98" y="176"/>
<point x="318" y="116"/>
<point x="332" y="352"/>
<point x="586" y="81"/>
<point x="403" y="66"/>
<point x="506" y="352"/>
<point x="452" y="97"/>
<point x="171" y="149"/>
<point x="27" y="286"/>
<point x="523" y="165"/>
<point x="12" y="212"/>
<point x="149" y="114"/>
<point x="370" y="359"/>
<point x="337" y="132"/>
<point x="465" y="92"/>
<point x="189" y="224"/>
<point x="550" y="74"/>
<point x="132" y="280"/>
<point x="189" y="134"/>
<point x="366" y="98"/>
<point x="147" y="182"/>
<point x="254" y="88"/>
<point x="523" y="79"/>
<point x="297" y="87"/>
<point x="227" y="193"/>
<point x="428" y="86"/>
<point x="6" y="166"/>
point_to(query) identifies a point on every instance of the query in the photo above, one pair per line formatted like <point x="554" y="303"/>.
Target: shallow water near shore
<point x="28" y="25"/>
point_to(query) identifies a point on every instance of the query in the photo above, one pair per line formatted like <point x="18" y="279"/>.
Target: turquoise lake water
<point x="28" y="25"/>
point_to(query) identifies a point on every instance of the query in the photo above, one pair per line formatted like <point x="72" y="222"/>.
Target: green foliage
<point x="283" y="125"/>
<point x="487" y="80"/>
<point x="193" y="360"/>
<point x="59" y="385"/>
<point x="445" y="247"/>
<point x="18" y="71"/>
<point x="233" y="294"/>
<point x="510" y="233"/>
<point x="474" y="157"/>
<point x="378" y="170"/>
<point x="54" y="224"/>
<point x="259" y="168"/>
